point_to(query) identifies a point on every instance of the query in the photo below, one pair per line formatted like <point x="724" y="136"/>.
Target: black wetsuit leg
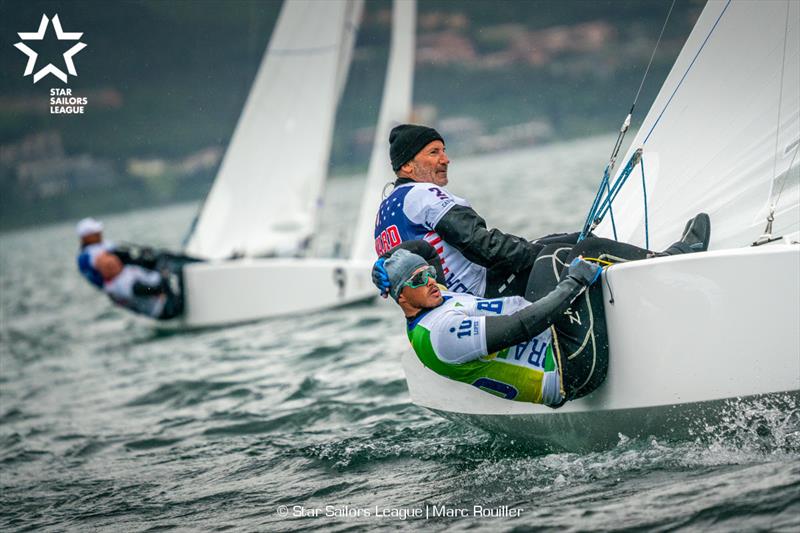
<point x="500" y="281"/>
<point x="581" y="339"/>
<point x="572" y="327"/>
<point x="133" y="254"/>
<point x="171" y="268"/>
<point x="607" y="250"/>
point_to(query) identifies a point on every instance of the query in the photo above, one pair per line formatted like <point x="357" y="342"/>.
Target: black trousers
<point x="512" y="280"/>
<point x="171" y="268"/>
<point x="580" y="337"/>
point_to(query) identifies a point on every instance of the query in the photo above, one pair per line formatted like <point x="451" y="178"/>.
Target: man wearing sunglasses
<point x="504" y="346"/>
<point x="507" y="345"/>
<point x="475" y="260"/>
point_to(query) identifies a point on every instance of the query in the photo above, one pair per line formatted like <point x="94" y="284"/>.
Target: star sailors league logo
<point x="50" y="68"/>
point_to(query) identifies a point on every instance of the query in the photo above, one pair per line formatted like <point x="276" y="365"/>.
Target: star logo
<point x="38" y="35"/>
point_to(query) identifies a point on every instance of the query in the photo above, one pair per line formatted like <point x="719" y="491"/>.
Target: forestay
<point x="267" y="191"/>
<point x="395" y="109"/>
<point x="723" y="134"/>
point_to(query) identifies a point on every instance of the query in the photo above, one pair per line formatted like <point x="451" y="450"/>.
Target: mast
<point x="395" y="109"/>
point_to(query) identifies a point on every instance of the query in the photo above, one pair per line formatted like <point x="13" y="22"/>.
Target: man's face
<point x="426" y="297"/>
<point x="430" y="164"/>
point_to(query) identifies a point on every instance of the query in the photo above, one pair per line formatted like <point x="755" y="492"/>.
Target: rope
<point x="592" y="222"/>
<point x="610" y="291"/>
<point x="596" y="260"/>
<point x="595" y="205"/>
<point x="613" y="223"/>
<point x="602" y="204"/>
<point x="605" y="205"/>
<point x="646" y="225"/>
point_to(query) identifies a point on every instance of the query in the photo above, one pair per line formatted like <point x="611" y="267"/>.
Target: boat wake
<point x="737" y="471"/>
<point x="764" y="425"/>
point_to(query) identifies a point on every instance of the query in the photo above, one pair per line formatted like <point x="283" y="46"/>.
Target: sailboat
<point x="690" y="336"/>
<point x="261" y="211"/>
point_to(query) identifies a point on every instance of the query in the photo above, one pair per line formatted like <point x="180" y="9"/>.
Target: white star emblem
<point x="50" y="68"/>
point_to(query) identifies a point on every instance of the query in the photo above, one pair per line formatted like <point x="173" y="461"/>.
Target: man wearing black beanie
<point x="407" y="140"/>
<point x="475" y="259"/>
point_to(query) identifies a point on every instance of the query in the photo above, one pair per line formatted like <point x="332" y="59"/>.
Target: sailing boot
<point x="695" y="237"/>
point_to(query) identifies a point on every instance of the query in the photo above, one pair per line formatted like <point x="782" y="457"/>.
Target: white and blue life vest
<point x="86" y="258"/>
<point x="411" y="212"/>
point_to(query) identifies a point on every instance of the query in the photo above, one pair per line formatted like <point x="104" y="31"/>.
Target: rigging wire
<point x="646" y="221"/>
<point x="660" y="35"/>
<point x="780" y="92"/>
<point x="688" y="69"/>
<point x="627" y="122"/>
<point x="591" y="221"/>
<point x="785" y="176"/>
<point x="767" y="235"/>
<point x="780" y="105"/>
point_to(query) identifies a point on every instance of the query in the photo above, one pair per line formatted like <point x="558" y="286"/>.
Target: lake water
<point x="107" y="424"/>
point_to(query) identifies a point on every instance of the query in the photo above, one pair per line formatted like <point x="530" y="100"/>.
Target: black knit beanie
<point x="406" y="140"/>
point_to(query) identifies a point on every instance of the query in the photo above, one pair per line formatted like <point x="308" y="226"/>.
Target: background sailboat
<point x="690" y="334"/>
<point x="265" y="197"/>
<point x="262" y="207"/>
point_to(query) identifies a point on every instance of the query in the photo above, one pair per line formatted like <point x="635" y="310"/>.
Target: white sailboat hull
<point x="227" y="292"/>
<point x="687" y="335"/>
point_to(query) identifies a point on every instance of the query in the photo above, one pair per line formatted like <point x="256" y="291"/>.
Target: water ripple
<point x="109" y="424"/>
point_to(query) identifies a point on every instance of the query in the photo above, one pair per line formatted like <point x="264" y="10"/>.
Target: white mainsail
<point x="724" y="132"/>
<point x="395" y="109"/>
<point x="265" y="198"/>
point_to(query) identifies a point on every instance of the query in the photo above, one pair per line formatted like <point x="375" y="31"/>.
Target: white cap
<point x="88" y="226"/>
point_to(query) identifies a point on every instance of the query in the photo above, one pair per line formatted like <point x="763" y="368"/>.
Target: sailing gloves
<point x="584" y="272"/>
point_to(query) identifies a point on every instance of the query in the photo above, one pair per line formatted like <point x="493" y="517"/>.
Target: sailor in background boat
<point x="475" y="260"/>
<point x="90" y="233"/>
<point x="139" y="279"/>
<point x="518" y="348"/>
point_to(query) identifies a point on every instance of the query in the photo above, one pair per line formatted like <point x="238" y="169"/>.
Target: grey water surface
<point x="305" y="422"/>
